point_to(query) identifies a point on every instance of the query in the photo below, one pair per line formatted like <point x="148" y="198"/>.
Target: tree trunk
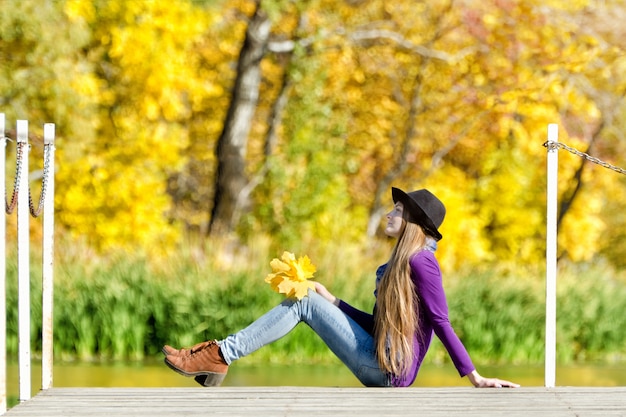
<point x="231" y="176"/>
<point x="569" y="196"/>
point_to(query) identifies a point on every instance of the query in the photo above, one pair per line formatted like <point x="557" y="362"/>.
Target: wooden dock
<point x="307" y="401"/>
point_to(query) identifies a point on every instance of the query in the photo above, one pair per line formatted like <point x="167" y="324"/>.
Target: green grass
<point x="128" y="307"/>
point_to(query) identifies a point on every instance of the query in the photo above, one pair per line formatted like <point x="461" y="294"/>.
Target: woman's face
<point x="395" y="222"/>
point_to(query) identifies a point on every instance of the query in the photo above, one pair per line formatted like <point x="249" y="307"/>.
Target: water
<point x="154" y="373"/>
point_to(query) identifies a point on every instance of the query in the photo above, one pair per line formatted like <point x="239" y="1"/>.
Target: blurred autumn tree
<point x="164" y="133"/>
<point x="144" y="59"/>
<point x="45" y="78"/>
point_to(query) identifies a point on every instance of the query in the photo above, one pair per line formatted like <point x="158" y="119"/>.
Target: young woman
<point x="382" y="349"/>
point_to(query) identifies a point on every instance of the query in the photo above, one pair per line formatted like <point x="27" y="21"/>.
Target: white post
<point x="48" y="262"/>
<point x="23" y="267"/>
<point x="551" y="254"/>
<point x="3" y="300"/>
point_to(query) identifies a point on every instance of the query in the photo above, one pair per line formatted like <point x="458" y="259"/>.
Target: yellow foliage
<point x="465" y="241"/>
<point x="290" y="276"/>
<point x="115" y="193"/>
<point x="454" y="98"/>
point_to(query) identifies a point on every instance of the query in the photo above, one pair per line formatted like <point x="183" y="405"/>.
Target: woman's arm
<point x="321" y="290"/>
<point x="363" y="319"/>
<point x="428" y="281"/>
<point x="430" y="285"/>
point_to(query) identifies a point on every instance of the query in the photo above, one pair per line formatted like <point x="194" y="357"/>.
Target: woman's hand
<point x="321" y="290"/>
<point x="482" y="382"/>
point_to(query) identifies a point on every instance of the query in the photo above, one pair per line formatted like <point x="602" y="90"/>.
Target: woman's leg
<point x="353" y="345"/>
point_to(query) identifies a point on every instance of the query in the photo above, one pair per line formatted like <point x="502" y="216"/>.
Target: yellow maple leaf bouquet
<point x="290" y="276"/>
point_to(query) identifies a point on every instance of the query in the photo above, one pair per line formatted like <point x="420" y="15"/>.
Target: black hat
<point x="423" y="208"/>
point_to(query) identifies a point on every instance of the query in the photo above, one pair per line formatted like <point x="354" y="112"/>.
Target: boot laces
<point x="200" y="349"/>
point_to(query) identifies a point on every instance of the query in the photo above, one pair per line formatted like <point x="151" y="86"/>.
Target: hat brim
<point x="416" y="214"/>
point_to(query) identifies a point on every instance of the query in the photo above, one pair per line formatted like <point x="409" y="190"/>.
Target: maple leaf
<point x="290" y="276"/>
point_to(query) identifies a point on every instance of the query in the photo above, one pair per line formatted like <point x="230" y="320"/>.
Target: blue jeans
<point x="353" y="345"/>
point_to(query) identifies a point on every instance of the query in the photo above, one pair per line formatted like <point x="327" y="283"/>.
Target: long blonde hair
<point x="397" y="313"/>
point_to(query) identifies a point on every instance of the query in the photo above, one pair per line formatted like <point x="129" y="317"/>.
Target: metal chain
<point x="16" y="184"/>
<point x="35" y="212"/>
<point x="44" y="184"/>
<point x="552" y="145"/>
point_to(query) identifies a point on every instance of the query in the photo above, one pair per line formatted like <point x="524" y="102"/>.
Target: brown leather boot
<point x="169" y="350"/>
<point x="206" y="362"/>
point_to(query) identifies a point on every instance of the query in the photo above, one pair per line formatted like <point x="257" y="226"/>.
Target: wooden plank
<point x="307" y="401"/>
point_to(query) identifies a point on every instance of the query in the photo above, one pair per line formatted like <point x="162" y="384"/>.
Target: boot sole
<point x="204" y="378"/>
<point x="210" y="380"/>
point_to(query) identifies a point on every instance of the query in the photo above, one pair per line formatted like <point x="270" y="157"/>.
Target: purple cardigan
<point x="427" y="278"/>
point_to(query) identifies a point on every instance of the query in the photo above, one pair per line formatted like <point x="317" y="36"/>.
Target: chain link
<point x="35" y="212"/>
<point x="44" y="184"/>
<point x="555" y="145"/>
<point x="9" y="207"/>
